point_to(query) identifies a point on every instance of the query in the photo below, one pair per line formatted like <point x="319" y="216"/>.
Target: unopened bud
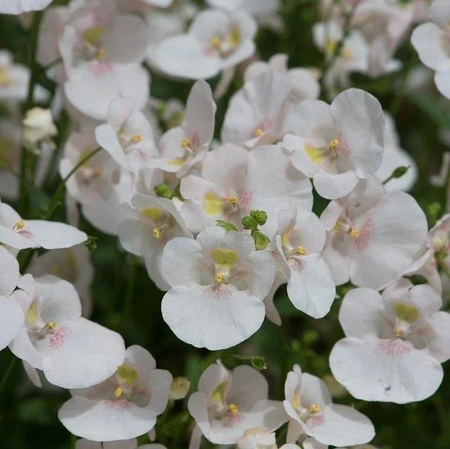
<point x="399" y="172"/>
<point x="248" y="222"/>
<point x="38" y="126"/>
<point x="179" y="388"/>
<point x="259" y="216"/>
<point x="261" y="240"/>
<point x="163" y="191"/>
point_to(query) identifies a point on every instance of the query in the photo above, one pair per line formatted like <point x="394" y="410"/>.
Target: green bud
<point x="248" y="222"/>
<point x="399" y="172"/>
<point x="91" y="243"/>
<point x="261" y="240"/>
<point x="259" y="216"/>
<point x="163" y="191"/>
<point x="227" y="226"/>
<point x="259" y="362"/>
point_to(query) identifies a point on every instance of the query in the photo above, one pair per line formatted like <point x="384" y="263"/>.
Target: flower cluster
<point x="298" y="180"/>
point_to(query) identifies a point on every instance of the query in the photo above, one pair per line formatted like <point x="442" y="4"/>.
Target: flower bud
<point x="259" y="216"/>
<point x="38" y="126"/>
<point x="179" y="388"/>
<point x="227" y="226"/>
<point x="261" y="240"/>
<point x="163" y="191"/>
<point x="248" y="222"/>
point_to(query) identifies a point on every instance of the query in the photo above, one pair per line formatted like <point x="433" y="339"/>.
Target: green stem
<point x="54" y="203"/>
<point x="7" y="373"/>
<point x="127" y="308"/>
<point x="33" y="66"/>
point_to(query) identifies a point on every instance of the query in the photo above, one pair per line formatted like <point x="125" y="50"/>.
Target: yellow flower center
<point x="300" y="251"/>
<point x="19" y="226"/>
<point x="233" y="409"/>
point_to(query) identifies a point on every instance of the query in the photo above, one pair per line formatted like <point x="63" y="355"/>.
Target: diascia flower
<point x="128" y="136"/>
<point x="257" y="114"/>
<point x="11" y="314"/>
<point x="395" y="343"/>
<point x="124" y="406"/>
<point x="300" y="240"/>
<point x="21" y="6"/>
<point x="309" y="406"/>
<point x="218" y="285"/>
<point x="148" y="224"/>
<point x="234" y="181"/>
<point x="71" y="264"/>
<point x="216" y="40"/>
<point x="73" y="352"/>
<point x="432" y="42"/>
<point x="21" y="234"/>
<point x="230" y="402"/>
<point x="185" y="146"/>
<point x="339" y="144"/>
<point x="373" y="236"/>
<point x="13" y="77"/>
<point x="303" y="82"/>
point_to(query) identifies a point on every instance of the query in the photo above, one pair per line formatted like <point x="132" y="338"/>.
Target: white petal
<point x="337" y="419"/>
<point x="22" y="6"/>
<point x="9" y="273"/>
<point x="212" y="317"/>
<point x="105" y="420"/>
<point x="311" y="288"/>
<point x="385" y="370"/>
<point x="82" y="353"/>
<point x="51" y="235"/>
<point x="183" y="56"/>
<point x="11" y="320"/>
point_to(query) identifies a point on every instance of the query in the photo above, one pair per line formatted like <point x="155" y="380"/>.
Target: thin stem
<point x="33" y="66"/>
<point x="62" y="185"/>
<point x="7" y="373"/>
<point x="127" y="307"/>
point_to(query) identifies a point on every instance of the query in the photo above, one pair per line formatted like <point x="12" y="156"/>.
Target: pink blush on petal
<point x="100" y="68"/>
<point x="58" y="337"/>
<point x="394" y="348"/>
<point x="317" y="420"/>
<point x="219" y="291"/>
<point x="368" y="228"/>
<point x="121" y="405"/>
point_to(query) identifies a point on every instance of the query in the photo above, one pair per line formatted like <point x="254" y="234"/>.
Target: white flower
<point x="185" y="146"/>
<point x="148" y="224"/>
<point x="216" y="40"/>
<point x="128" y="136"/>
<point x="73" y="352"/>
<point x="230" y="402"/>
<point x="300" y="240"/>
<point x="92" y="86"/>
<point x="73" y="265"/>
<point x="97" y="32"/>
<point x="235" y="181"/>
<point x="257" y="114"/>
<point x="122" y="407"/>
<point x="395" y="343"/>
<point x="339" y="144"/>
<point x="374" y="236"/>
<point x="21" y="234"/>
<point x="311" y="410"/>
<point x="11" y="314"/>
<point x="303" y="82"/>
<point x="218" y="283"/>
<point x="432" y="42"/>
<point x="13" y="77"/>
<point x="20" y="6"/>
